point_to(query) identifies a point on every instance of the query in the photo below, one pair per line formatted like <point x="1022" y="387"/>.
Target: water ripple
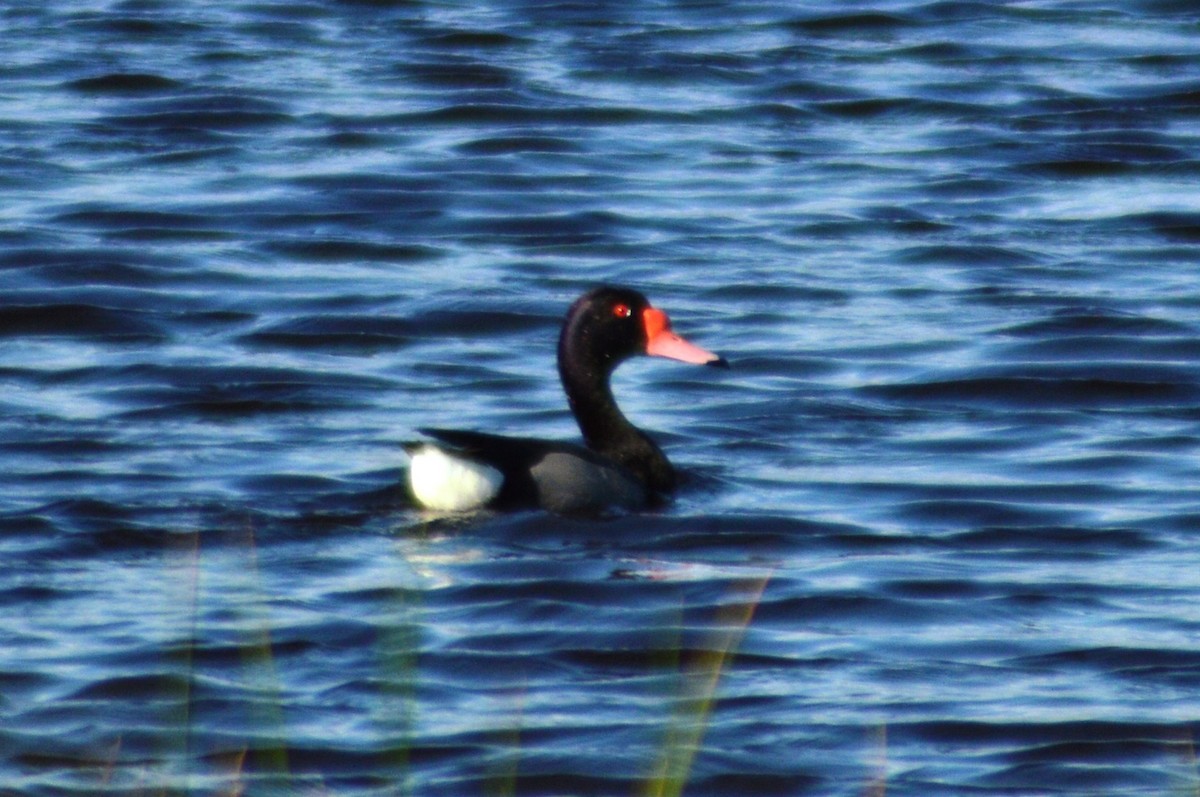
<point x="936" y="529"/>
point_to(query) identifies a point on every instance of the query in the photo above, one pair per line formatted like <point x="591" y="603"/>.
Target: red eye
<point x="622" y="311"/>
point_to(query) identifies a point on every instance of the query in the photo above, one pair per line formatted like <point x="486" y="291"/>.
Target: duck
<point x="617" y="468"/>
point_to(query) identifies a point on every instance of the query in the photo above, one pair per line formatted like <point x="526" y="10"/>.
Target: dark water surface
<point x="942" y="530"/>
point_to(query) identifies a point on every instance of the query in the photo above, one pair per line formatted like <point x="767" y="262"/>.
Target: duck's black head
<point x="610" y="324"/>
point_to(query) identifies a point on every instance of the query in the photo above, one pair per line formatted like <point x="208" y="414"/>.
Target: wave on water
<point x="936" y="530"/>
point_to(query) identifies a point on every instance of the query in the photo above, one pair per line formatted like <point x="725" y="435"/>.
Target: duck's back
<point x="556" y="476"/>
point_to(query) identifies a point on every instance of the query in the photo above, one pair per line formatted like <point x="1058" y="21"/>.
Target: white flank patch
<point x="446" y="483"/>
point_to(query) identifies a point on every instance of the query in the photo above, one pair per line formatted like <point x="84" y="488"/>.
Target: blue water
<point x="941" y="529"/>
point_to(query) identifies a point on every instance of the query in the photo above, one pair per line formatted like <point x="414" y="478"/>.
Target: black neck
<point x="605" y="429"/>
